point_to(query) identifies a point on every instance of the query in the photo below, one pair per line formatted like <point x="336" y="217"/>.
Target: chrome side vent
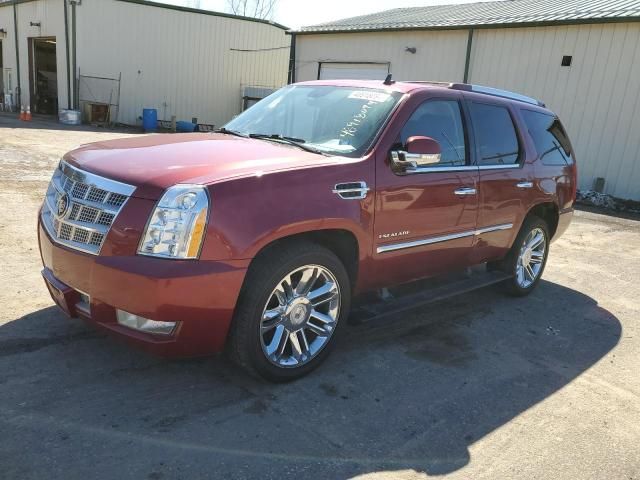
<point x="351" y="190"/>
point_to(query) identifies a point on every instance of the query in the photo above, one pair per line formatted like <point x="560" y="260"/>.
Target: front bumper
<point x="200" y="295"/>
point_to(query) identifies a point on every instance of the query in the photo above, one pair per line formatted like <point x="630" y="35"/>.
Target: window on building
<point x="550" y="139"/>
<point x="442" y="121"/>
<point x="495" y="134"/>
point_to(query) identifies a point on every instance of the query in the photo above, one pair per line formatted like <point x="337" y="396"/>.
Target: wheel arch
<point x="342" y="242"/>
<point x="547" y="211"/>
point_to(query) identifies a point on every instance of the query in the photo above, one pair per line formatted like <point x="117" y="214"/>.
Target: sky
<point x="298" y="13"/>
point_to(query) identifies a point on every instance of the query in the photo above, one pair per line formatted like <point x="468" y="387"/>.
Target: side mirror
<point x="420" y="152"/>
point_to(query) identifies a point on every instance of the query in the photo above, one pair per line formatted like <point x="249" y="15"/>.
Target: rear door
<point x="425" y="219"/>
<point x="505" y="175"/>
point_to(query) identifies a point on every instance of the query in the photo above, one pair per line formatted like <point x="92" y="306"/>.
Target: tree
<point x="253" y="8"/>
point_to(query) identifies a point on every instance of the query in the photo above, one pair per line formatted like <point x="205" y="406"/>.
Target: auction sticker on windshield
<point x="370" y="95"/>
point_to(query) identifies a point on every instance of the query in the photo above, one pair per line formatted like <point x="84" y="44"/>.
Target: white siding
<point x="50" y="15"/>
<point x="178" y="62"/>
<point x="597" y="98"/>
<point x="440" y="55"/>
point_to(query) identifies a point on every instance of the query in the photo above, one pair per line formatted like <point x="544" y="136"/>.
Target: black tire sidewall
<point x="272" y="272"/>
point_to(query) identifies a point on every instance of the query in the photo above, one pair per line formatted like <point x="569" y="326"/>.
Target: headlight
<point x="176" y="227"/>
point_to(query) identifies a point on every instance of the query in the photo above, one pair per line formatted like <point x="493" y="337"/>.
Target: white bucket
<point x="70" y="117"/>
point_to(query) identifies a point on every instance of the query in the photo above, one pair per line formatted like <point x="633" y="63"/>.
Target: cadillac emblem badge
<point x="62" y="205"/>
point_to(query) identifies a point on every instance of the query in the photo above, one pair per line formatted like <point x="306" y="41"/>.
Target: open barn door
<point x="43" y="75"/>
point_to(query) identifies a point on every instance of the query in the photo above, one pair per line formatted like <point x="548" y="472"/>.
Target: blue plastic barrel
<point x="150" y="119"/>
<point x="183" y="126"/>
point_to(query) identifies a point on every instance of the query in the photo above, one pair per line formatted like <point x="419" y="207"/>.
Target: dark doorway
<point x="2" y="92"/>
<point x="43" y="75"/>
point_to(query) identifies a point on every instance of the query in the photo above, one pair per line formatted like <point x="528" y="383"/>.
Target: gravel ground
<point x="481" y="386"/>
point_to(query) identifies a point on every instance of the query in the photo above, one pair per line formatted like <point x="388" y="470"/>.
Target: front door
<point x="425" y="218"/>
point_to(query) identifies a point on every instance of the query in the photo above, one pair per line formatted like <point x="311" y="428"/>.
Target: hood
<point x="154" y="163"/>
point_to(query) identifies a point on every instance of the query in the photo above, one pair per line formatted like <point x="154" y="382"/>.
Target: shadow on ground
<point x="413" y="393"/>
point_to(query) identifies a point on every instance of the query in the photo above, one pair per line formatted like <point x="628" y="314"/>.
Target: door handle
<point x="465" y="191"/>
<point x="524" y="184"/>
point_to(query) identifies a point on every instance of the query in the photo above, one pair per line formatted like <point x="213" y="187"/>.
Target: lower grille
<point x="80" y="207"/>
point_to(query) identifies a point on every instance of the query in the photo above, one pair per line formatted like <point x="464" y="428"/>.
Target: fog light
<point x="144" y="324"/>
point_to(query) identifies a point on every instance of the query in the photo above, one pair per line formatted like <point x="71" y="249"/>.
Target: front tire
<point x="291" y="306"/>
<point x="527" y="258"/>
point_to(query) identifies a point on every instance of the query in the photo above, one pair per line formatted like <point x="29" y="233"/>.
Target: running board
<point x="421" y="293"/>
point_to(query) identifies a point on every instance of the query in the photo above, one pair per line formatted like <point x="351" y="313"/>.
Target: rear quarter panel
<point x="553" y="183"/>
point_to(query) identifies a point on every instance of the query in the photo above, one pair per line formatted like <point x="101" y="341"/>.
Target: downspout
<point x="74" y="54"/>
<point x="467" y="60"/>
<point x="15" y="31"/>
<point x="292" y="60"/>
<point x="66" y="36"/>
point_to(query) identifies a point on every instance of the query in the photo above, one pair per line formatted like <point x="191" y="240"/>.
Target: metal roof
<point x="169" y="6"/>
<point x="487" y="14"/>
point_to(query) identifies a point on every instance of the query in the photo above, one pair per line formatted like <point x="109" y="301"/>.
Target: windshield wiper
<point x="231" y="132"/>
<point x="297" y="142"/>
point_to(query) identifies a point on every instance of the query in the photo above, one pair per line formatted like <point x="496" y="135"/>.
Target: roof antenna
<point x="388" y="80"/>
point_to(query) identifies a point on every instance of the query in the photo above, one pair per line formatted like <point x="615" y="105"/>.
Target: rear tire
<point x="290" y="309"/>
<point x="527" y="258"/>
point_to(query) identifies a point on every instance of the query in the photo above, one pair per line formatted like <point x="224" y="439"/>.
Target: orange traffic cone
<point x="27" y="116"/>
<point x="22" y="113"/>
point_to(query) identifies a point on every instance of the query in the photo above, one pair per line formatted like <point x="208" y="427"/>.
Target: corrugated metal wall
<point x="178" y="62"/>
<point x="597" y="97"/>
<point x="50" y="15"/>
<point x="440" y="54"/>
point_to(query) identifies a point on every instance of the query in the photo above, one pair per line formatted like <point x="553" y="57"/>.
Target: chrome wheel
<point x="300" y="316"/>
<point x="531" y="258"/>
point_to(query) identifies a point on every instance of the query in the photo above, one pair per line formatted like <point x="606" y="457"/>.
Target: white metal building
<point x="581" y="57"/>
<point x="137" y="54"/>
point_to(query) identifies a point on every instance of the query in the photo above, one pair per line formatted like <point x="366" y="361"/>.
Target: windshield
<point x="334" y="120"/>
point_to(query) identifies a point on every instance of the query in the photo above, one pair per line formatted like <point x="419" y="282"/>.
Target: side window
<point x="442" y="121"/>
<point x="495" y="134"/>
<point x="550" y="139"/>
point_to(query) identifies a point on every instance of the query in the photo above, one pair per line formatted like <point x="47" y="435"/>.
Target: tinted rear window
<point x="495" y="134"/>
<point x="550" y="139"/>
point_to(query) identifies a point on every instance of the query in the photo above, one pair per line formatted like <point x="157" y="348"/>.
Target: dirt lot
<point x="482" y="386"/>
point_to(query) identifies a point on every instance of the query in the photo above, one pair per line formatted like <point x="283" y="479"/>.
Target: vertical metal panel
<point x="597" y="97"/>
<point x="440" y="54"/>
<point x="50" y="15"/>
<point x="180" y="63"/>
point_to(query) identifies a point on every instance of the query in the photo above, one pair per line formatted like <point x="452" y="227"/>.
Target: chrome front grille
<point x="80" y="207"/>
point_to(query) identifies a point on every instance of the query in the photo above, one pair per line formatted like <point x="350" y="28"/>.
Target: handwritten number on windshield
<point x="351" y="128"/>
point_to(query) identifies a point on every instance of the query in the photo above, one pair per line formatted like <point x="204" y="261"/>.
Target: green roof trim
<point x="178" y="8"/>
<point x="495" y="14"/>
<point x="204" y="12"/>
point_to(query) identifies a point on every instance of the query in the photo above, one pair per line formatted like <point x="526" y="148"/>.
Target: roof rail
<point x="496" y="92"/>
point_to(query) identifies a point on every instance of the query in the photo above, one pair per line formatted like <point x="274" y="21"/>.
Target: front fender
<point x="249" y="213"/>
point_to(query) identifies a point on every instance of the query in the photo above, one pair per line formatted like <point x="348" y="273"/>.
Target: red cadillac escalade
<point x="256" y="238"/>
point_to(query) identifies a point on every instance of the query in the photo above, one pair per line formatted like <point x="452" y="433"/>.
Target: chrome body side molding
<point x="428" y="241"/>
<point x="455" y="168"/>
